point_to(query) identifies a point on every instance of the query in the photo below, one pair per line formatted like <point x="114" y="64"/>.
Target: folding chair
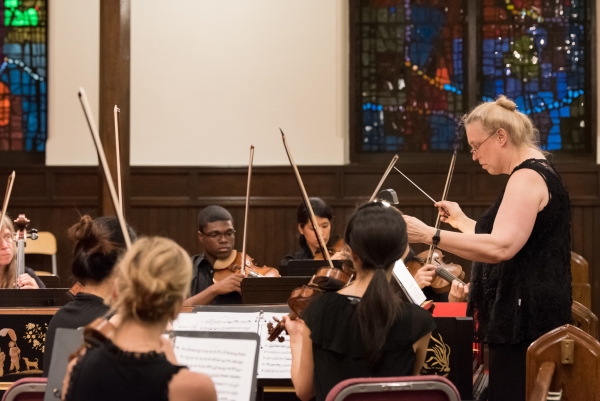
<point x="45" y="244"/>
<point x="414" y="388"/>
<point x="27" y="389"/>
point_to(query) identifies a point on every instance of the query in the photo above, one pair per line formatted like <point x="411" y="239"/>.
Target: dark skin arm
<point x="230" y="284"/>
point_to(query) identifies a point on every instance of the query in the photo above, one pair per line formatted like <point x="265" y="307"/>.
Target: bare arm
<point x="302" y="358"/>
<point x="420" y="348"/>
<point x="526" y="194"/>
<point x="189" y="386"/>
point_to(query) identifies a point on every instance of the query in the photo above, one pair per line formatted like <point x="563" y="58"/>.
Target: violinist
<point x="98" y="245"/>
<point x="363" y="329"/>
<point x="8" y="261"/>
<point x="424" y="276"/>
<point x="521" y="276"/>
<point x="134" y="361"/>
<point x="309" y="245"/>
<point x="217" y="236"/>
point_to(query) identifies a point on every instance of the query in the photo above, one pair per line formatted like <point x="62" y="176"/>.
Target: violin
<point x="333" y="249"/>
<point x="445" y="272"/>
<point x="326" y="279"/>
<point x="233" y="265"/>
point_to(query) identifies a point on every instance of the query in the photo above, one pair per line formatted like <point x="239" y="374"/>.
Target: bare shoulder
<point x="527" y="185"/>
<point x="190" y="386"/>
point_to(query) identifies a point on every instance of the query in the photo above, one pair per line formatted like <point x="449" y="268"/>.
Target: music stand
<point x="34" y="298"/>
<point x="66" y="341"/>
<point x="270" y="290"/>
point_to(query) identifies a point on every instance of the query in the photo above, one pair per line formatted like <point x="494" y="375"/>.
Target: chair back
<point x="576" y="358"/>
<point x="580" y="283"/>
<point x="27" y="389"/>
<point x="585" y="319"/>
<point x="417" y="388"/>
<point x="45" y="244"/>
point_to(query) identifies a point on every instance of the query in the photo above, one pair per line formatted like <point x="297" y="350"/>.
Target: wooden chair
<point x="44" y="245"/>
<point x="585" y="319"/>
<point x="566" y="359"/>
<point x="580" y="272"/>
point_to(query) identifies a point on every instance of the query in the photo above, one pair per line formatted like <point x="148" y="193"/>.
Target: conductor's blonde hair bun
<point x="502" y="114"/>
<point x="154" y="278"/>
<point x="506" y="103"/>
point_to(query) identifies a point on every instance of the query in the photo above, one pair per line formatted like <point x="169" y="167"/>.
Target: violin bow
<point x="117" y="113"/>
<point x="387" y="172"/>
<point x="243" y="268"/>
<point x="444" y="196"/>
<point x="313" y="219"/>
<point x="9" y="185"/>
<point x="111" y="186"/>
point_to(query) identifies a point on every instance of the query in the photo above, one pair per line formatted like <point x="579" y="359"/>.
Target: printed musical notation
<point x="275" y="358"/>
<point x="224" y="360"/>
<point x="210" y="321"/>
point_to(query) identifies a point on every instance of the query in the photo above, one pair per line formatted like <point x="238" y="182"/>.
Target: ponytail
<point x="377" y="235"/>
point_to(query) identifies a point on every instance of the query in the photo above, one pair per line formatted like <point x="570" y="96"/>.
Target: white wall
<point x="209" y="78"/>
<point x="73" y="52"/>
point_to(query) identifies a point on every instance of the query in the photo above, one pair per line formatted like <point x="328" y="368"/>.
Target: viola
<point x="333" y="249"/>
<point x="326" y="279"/>
<point x="233" y="265"/>
<point x="445" y="272"/>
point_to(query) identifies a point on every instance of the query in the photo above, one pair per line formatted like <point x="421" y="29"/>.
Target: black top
<point x="83" y="310"/>
<point x="337" y="345"/>
<point x="304" y="253"/>
<point x="530" y="294"/>
<point x="203" y="278"/>
<point x="109" y="373"/>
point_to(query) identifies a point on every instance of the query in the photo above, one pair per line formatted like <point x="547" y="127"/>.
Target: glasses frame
<point x="217" y="235"/>
<point x="474" y="150"/>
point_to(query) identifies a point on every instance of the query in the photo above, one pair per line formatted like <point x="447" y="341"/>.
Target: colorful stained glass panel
<point x="23" y="74"/>
<point x="533" y="52"/>
<point x="410" y="74"/>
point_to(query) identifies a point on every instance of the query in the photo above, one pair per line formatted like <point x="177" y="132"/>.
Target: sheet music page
<point x="404" y="278"/>
<point x="275" y="358"/>
<point x="228" y="362"/>
<point x="185" y="322"/>
<point x="227" y="321"/>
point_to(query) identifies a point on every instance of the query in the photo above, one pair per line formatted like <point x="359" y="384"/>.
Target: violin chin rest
<point x="221" y="264"/>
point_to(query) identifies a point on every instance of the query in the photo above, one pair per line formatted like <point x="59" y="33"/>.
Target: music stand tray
<point x="34" y="298"/>
<point x="308" y="267"/>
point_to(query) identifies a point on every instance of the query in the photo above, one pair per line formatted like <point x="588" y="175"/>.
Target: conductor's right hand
<point x="450" y="212"/>
<point x="229" y="284"/>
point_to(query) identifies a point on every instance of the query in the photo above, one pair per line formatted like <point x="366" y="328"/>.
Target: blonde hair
<point x="502" y="113"/>
<point x="154" y="278"/>
<point x="10" y="270"/>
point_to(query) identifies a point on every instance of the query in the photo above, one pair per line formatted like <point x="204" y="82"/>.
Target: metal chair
<point x="27" y="389"/>
<point x="414" y="388"/>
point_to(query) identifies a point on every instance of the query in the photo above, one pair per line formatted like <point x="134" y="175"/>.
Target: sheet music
<point x="227" y="321"/>
<point x="275" y="358"/>
<point x="406" y="280"/>
<point x="185" y="322"/>
<point x="228" y="362"/>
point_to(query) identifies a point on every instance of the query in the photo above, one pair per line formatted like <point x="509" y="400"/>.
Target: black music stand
<point x="270" y="290"/>
<point x="34" y="298"/>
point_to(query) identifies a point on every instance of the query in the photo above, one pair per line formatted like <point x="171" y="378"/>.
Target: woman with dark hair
<point x="363" y="329"/>
<point x="98" y="245"/>
<point x="309" y="245"/>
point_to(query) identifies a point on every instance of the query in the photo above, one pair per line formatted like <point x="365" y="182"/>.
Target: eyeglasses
<point x="474" y="149"/>
<point x="8" y="239"/>
<point x="215" y="234"/>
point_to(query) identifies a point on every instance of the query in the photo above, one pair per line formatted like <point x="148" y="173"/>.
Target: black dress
<point x="337" y="345"/>
<point x="83" y="310"/>
<point x="516" y="301"/>
<point x="109" y="373"/>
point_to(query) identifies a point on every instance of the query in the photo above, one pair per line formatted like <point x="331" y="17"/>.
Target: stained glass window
<point x="411" y="74"/>
<point x="23" y="73"/>
<point x="533" y="52"/>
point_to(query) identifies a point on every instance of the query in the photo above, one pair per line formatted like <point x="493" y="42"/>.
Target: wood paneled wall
<point x="166" y="200"/>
